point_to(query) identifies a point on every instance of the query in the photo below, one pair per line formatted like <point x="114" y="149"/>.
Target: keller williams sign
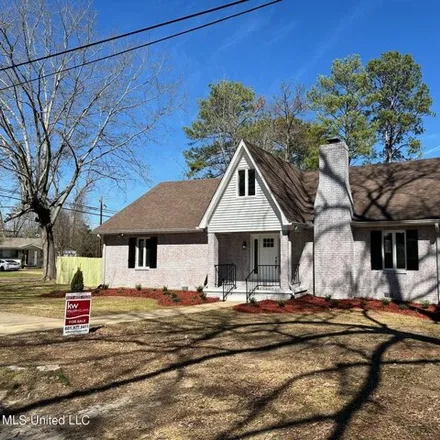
<point x="77" y="313"/>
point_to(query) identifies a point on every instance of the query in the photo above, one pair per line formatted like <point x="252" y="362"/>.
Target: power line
<point x="141" y="46"/>
<point x="64" y="207"/>
<point x="128" y="34"/>
<point x="96" y="208"/>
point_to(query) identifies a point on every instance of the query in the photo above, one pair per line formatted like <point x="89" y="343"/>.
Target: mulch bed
<point x="170" y="298"/>
<point x="316" y="304"/>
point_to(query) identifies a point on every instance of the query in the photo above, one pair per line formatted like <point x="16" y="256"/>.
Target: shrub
<point x="164" y="289"/>
<point x="138" y="286"/>
<point x="385" y="301"/>
<point x="334" y="302"/>
<point x="253" y="302"/>
<point x="202" y="295"/>
<point x="199" y="289"/>
<point x="364" y="303"/>
<point x="403" y="306"/>
<point x="175" y="299"/>
<point x="424" y="304"/>
<point x="328" y="297"/>
<point x="63" y="378"/>
<point x="104" y="286"/>
<point x="281" y="303"/>
<point x="77" y="284"/>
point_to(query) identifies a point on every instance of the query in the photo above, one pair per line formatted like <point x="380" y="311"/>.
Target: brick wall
<point x="332" y="231"/>
<point x="302" y="254"/>
<point x="412" y="284"/>
<point x="182" y="260"/>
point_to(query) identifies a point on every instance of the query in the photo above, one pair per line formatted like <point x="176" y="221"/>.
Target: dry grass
<point x="226" y="375"/>
<point x="21" y="294"/>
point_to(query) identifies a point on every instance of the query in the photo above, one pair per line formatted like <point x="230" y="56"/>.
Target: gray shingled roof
<point x="169" y="206"/>
<point x="397" y="191"/>
<point x="17" y="242"/>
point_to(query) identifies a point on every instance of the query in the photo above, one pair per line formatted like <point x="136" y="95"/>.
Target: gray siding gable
<point x="248" y="213"/>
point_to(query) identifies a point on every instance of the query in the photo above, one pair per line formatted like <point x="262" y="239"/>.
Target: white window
<point x="394" y="249"/>
<point x="268" y="242"/>
<point x="246" y="182"/>
<point x="143" y="253"/>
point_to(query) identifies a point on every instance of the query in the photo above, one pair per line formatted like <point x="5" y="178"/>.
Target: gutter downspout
<point x="437" y="258"/>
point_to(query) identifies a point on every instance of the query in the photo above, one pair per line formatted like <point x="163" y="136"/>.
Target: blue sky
<point x="290" y="41"/>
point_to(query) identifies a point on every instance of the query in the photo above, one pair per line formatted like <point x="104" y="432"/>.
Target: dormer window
<point x="246" y="183"/>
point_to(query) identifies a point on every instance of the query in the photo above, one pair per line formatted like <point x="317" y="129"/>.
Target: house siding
<point x="414" y="285"/>
<point x="242" y="214"/>
<point x="182" y="260"/>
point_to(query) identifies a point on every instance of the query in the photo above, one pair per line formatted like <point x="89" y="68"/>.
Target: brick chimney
<point x="333" y="237"/>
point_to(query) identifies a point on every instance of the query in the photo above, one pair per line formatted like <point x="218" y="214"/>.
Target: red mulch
<point x="187" y="298"/>
<point x="316" y="304"/>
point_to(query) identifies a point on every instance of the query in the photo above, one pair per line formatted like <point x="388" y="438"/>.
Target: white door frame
<point x="259" y="237"/>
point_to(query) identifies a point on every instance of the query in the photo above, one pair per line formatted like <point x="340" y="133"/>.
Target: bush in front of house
<point x="138" y="287"/>
<point x="385" y="301"/>
<point x="77" y="284"/>
<point x="425" y="304"/>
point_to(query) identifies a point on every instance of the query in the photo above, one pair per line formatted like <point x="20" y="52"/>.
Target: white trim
<point x="260" y="236"/>
<point x="394" y="250"/>
<point x="225" y="180"/>
<point x="246" y="183"/>
<point x="392" y="223"/>
<point x="144" y="256"/>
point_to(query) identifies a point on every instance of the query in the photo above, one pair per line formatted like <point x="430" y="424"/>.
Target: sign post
<point x="77" y="313"/>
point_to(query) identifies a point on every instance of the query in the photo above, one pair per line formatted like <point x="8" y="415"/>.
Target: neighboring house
<point x="269" y="229"/>
<point x="28" y="250"/>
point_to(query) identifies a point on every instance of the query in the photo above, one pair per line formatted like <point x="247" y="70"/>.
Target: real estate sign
<point x="77" y="313"/>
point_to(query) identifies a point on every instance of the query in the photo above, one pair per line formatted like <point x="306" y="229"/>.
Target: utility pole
<point x="101" y="207"/>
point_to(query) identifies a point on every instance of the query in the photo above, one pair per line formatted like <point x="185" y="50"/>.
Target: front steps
<point x="239" y="294"/>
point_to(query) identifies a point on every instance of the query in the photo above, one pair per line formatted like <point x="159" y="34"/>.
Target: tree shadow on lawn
<point x="200" y="339"/>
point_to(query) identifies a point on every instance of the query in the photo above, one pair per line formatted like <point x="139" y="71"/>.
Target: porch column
<point x="284" y="260"/>
<point x="212" y="257"/>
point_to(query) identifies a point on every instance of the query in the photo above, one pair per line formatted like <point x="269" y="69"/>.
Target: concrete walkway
<point x="12" y="323"/>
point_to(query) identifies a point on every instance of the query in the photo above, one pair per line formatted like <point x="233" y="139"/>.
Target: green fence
<point x="91" y="267"/>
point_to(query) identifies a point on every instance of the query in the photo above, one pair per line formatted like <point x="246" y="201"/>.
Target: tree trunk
<point x="49" y="258"/>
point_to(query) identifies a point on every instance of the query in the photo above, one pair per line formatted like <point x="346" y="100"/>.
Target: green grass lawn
<point x="21" y="274"/>
<point x="20" y="292"/>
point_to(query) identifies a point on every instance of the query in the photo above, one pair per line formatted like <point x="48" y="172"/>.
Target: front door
<point x="266" y="257"/>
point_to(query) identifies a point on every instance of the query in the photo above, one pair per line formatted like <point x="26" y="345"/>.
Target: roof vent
<point x="333" y="140"/>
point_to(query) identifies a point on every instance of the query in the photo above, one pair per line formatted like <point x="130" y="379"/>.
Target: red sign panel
<point x="77" y="313"/>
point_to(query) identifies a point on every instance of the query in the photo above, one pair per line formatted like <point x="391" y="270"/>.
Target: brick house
<point x="269" y="230"/>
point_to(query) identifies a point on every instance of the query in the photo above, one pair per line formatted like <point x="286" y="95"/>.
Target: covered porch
<point x="243" y="265"/>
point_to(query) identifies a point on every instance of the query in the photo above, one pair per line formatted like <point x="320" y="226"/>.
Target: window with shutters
<point x="145" y="252"/>
<point x="394" y="250"/>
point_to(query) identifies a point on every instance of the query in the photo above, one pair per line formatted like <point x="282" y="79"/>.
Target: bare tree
<point x="287" y="111"/>
<point x="65" y="130"/>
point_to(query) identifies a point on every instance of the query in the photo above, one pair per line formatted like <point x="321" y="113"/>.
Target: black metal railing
<point x="295" y="274"/>
<point x="226" y="277"/>
<point x="262" y="276"/>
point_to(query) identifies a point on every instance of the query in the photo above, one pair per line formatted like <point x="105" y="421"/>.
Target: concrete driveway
<point x="11" y="323"/>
